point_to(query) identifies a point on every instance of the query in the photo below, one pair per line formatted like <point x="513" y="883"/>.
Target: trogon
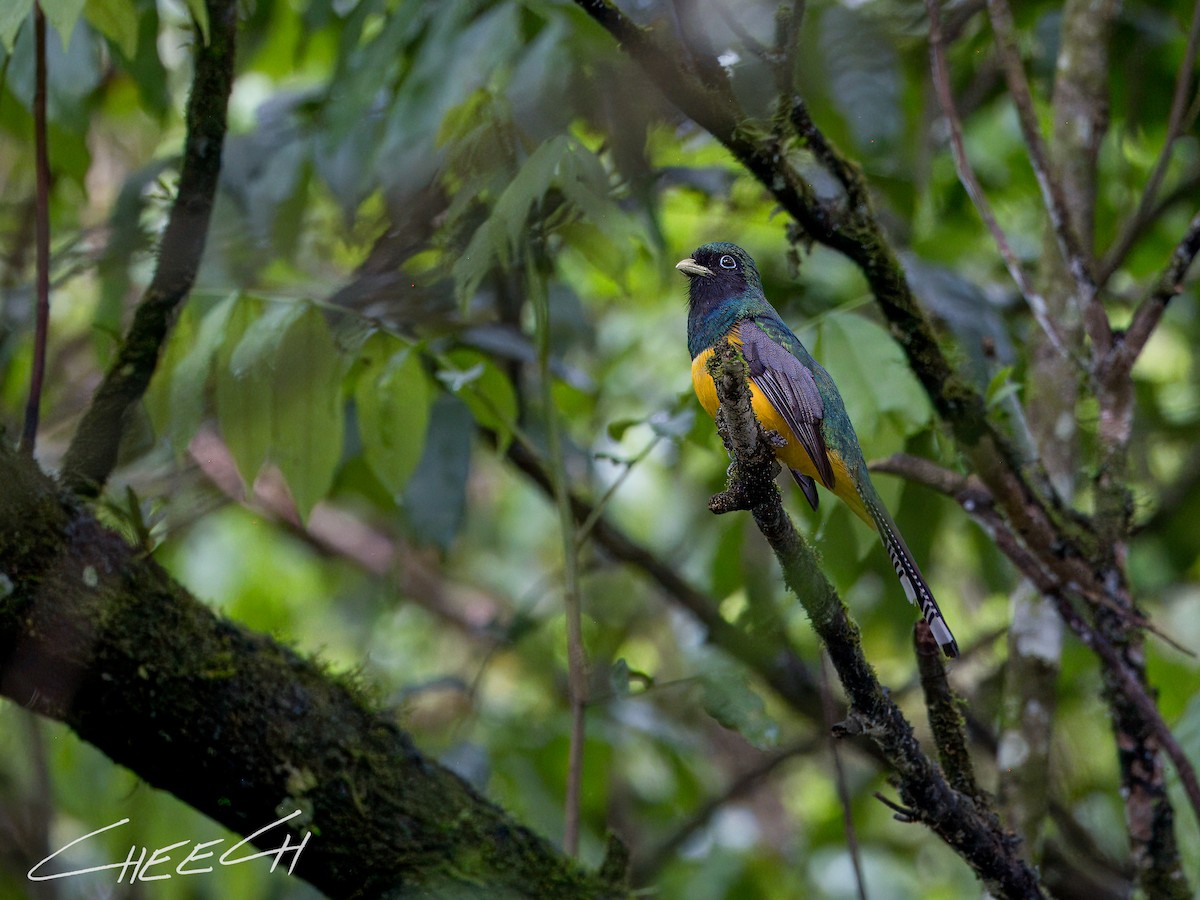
<point x="794" y="397"/>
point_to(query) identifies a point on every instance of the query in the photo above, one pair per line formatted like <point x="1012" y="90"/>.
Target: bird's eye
<point x="727" y="262"/>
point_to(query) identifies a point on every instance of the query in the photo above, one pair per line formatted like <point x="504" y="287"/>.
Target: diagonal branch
<point x="966" y="175"/>
<point x="95" y="634"/>
<point x="1151" y="309"/>
<point x="1175" y="126"/>
<point x="92" y="454"/>
<point x="1095" y="319"/>
<point x="973" y="832"/>
<point x="976" y="501"/>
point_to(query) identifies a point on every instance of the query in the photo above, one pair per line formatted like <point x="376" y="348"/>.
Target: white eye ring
<point x="727" y="262"/>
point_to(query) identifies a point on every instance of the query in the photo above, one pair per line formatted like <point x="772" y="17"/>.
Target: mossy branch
<point x="92" y="454"/>
<point x="95" y="634"/>
<point x="962" y="820"/>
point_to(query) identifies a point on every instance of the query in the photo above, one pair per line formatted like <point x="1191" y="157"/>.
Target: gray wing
<point x="790" y="387"/>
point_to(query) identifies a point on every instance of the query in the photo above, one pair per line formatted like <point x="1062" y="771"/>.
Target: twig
<point x="966" y="175"/>
<point x="842" y="788"/>
<point x="778" y="665"/>
<point x="903" y="813"/>
<point x="1133" y="690"/>
<point x="1151" y="309"/>
<point x="788" y="19"/>
<point x="829" y="156"/>
<point x="585" y="528"/>
<point x="1049" y="584"/>
<point x="945" y="716"/>
<point x="977" y="500"/>
<point x="978" y="838"/>
<point x="1185" y="189"/>
<point x="1133" y="225"/>
<point x="92" y="454"/>
<point x="691" y="31"/>
<point x="1094" y="317"/>
<point x="41" y="234"/>
<point x="577" y="675"/>
<point x="645" y="869"/>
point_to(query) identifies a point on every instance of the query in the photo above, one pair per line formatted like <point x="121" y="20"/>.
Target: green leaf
<point x="185" y="371"/>
<point x="117" y="20"/>
<point x="486" y="390"/>
<point x="158" y="401"/>
<point x="62" y="15"/>
<point x="618" y="427"/>
<point x="729" y="698"/>
<point x="13" y="13"/>
<point x="393" y="396"/>
<point x="262" y="338"/>
<point x="243" y="390"/>
<point x="1001" y="387"/>
<point x="531" y="183"/>
<point x="435" y="498"/>
<point x="872" y="375"/>
<point x="199" y="12"/>
<point x="307" y="421"/>
<point x="191" y="375"/>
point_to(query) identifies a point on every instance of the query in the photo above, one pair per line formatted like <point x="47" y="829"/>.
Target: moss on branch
<point x="93" y="633"/>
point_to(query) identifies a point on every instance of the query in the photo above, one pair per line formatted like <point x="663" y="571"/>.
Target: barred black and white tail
<point x="911" y="579"/>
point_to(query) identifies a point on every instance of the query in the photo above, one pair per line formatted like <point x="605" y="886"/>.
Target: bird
<point x="792" y="395"/>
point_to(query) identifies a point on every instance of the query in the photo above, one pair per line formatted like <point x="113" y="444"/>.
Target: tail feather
<point x="911" y="579"/>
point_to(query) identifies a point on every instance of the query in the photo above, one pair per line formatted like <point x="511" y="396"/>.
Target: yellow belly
<point x="792" y="454"/>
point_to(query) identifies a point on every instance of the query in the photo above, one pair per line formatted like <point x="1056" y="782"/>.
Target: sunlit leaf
<point x="117" y="20"/>
<point x="61" y="15"/>
<point x="307" y="420"/>
<point x="393" y="397"/>
<point x="13" y="14"/>
<point x="485" y="389"/>
<point x="243" y="389"/>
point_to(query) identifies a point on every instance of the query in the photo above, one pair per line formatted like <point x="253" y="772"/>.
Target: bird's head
<point x="720" y="271"/>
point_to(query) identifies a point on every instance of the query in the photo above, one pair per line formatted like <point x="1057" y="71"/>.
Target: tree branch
<point x="1064" y="230"/>
<point x="1125" y="681"/>
<point x="945" y="715"/>
<point x="1150" y="311"/>
<point x="1133" y="225"/>
<point x="973" y="832"/>
<point x="94" y="633"/>
<point x="92" y="454"/>
<point x="41" y="233"/>
<point x="966" y="175"/>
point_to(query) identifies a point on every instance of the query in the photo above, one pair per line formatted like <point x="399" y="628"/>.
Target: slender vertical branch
<point x="1175" y="120"/>
<point x="843" y="789"/>
<point x="92" y="454"/>
<point x="577" y="675"/>
<point x="1065" y="234"/>
<point x="966" y="175"/>
<point x="41" y="233"/>
<point x="945" y="715"/>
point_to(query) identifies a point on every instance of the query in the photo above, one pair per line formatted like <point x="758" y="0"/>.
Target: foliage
<point x="329" y="442"/>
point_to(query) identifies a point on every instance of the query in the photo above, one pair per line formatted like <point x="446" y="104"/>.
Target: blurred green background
<point x="399" y="178"/>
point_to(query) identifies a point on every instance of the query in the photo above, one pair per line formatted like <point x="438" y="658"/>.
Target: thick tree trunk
<point x="97" y="635"/>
